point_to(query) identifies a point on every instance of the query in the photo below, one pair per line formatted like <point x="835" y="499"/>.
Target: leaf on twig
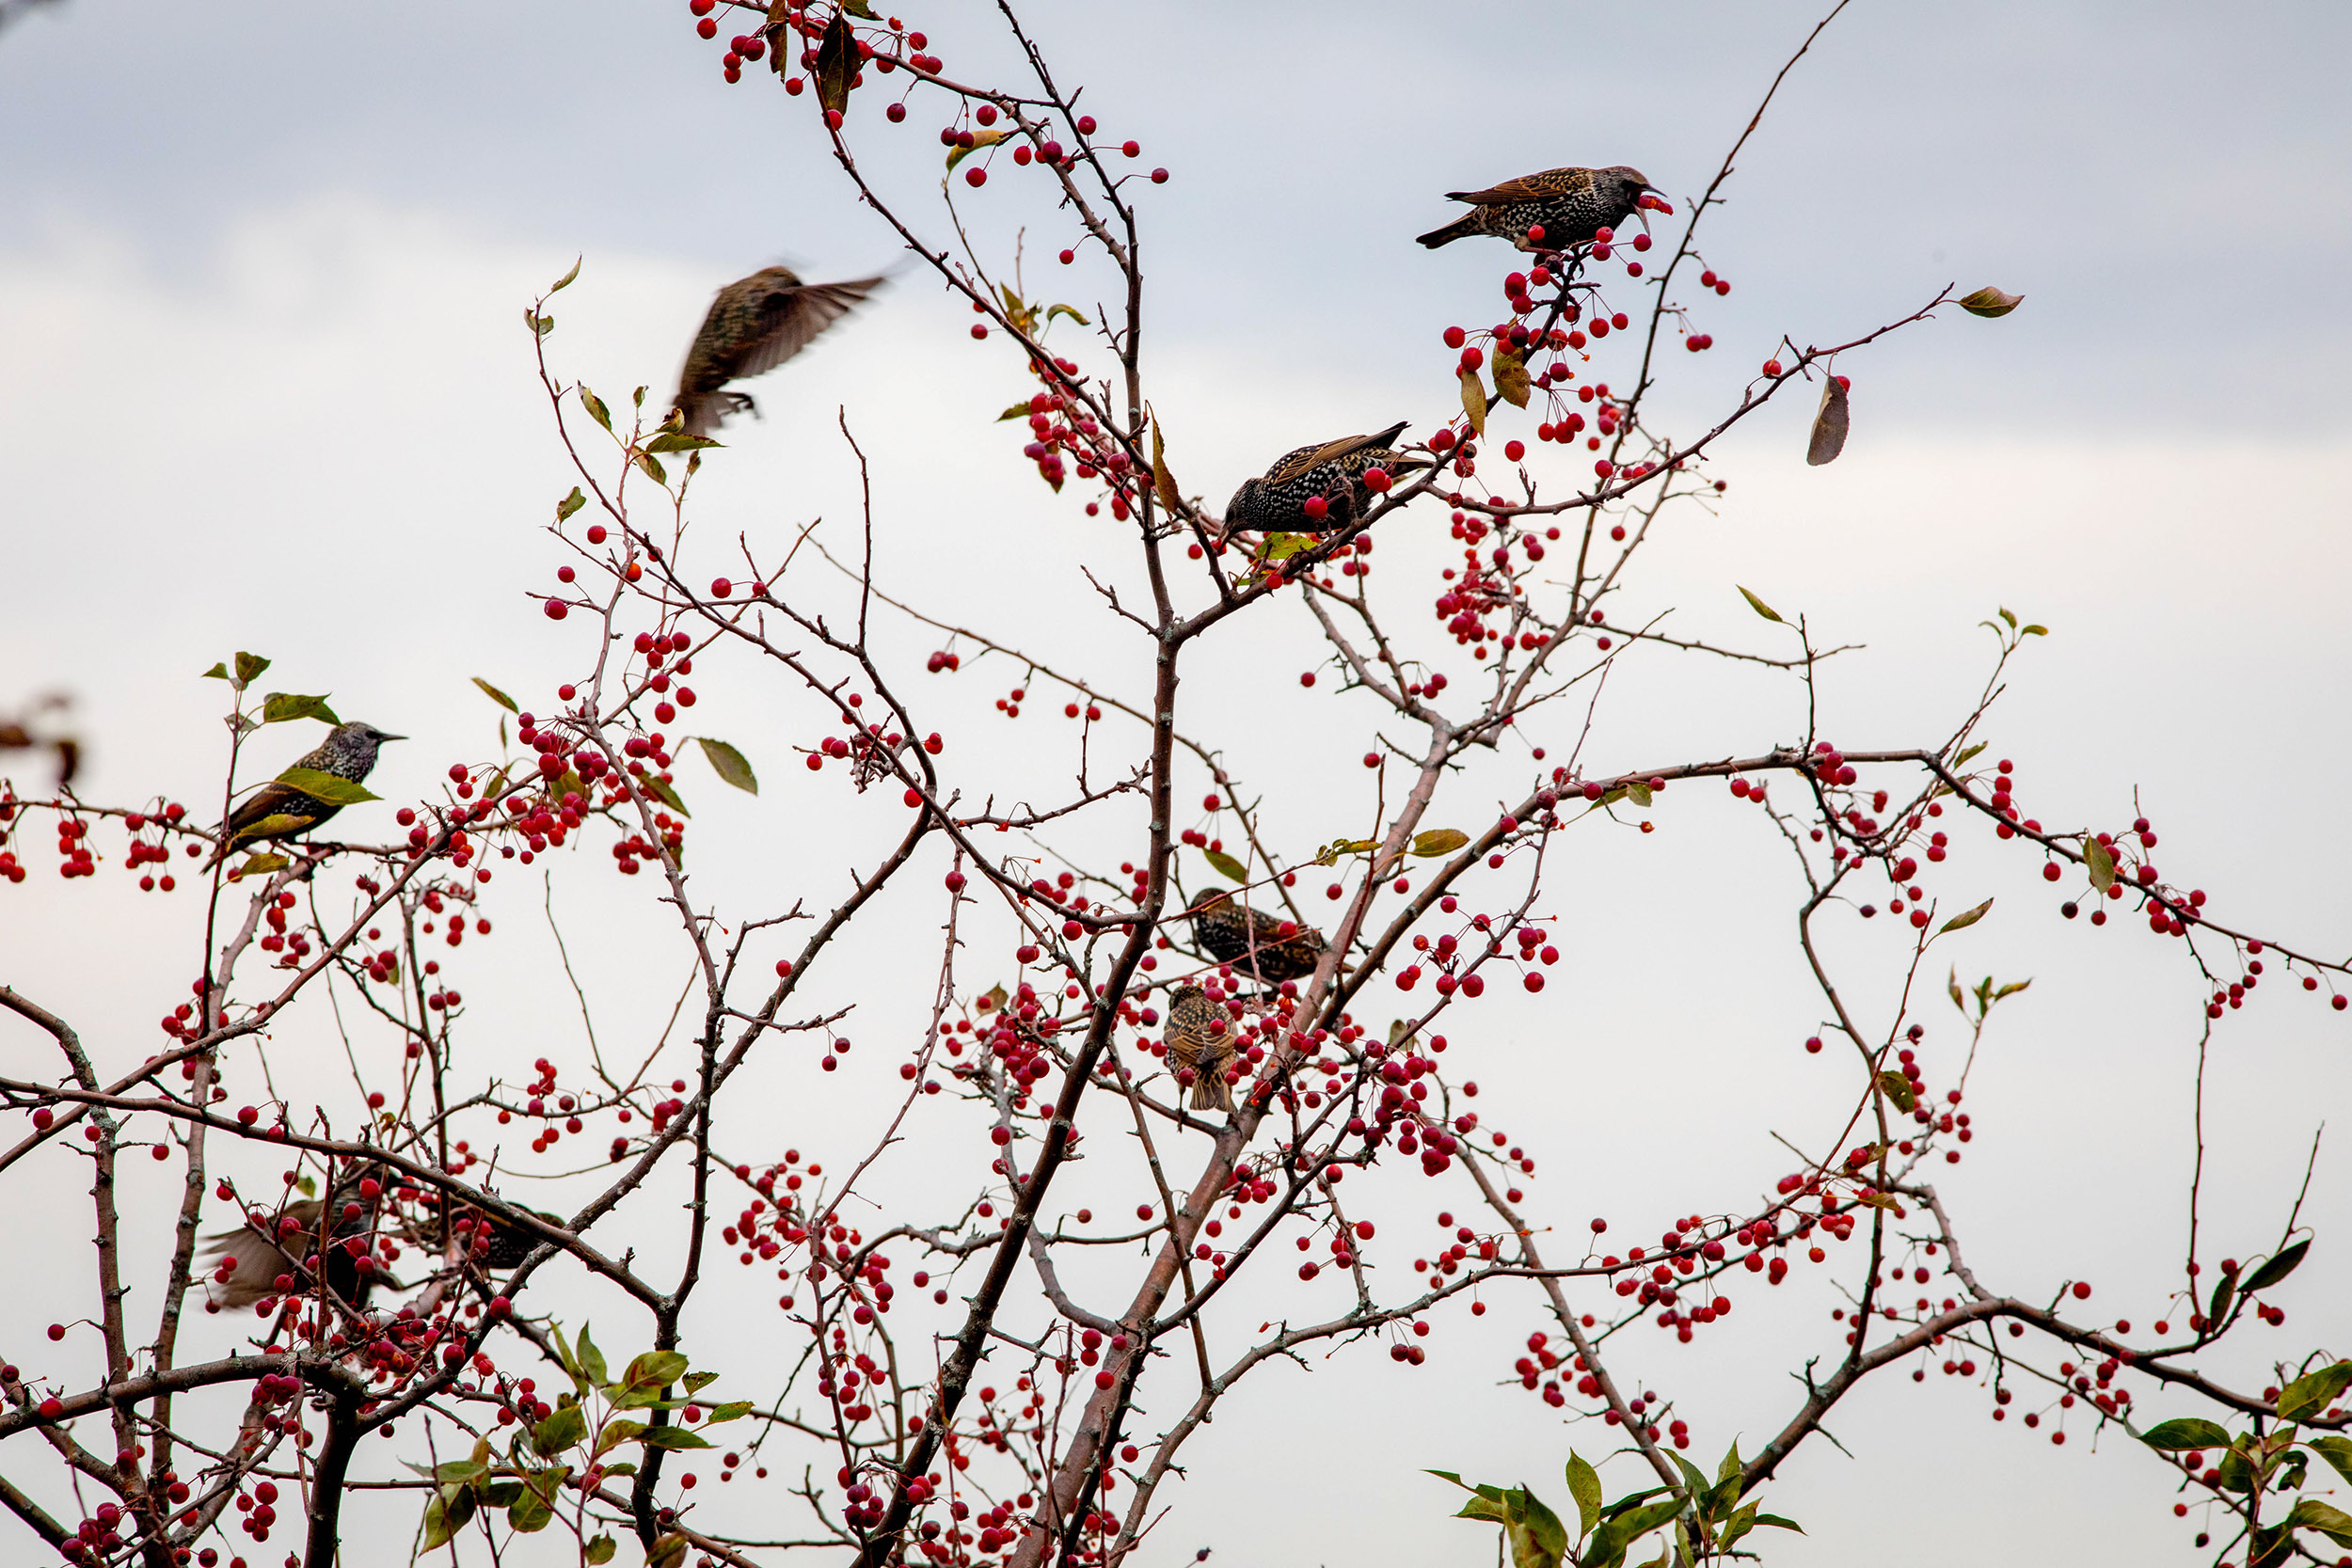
<point x="1227" y="866"/>
<point x="678" y="440"/>
<point x="2186" y="1432"/>
<point x="570" y="504"/>
<point x="1163" y="483"/>
<point x="2099" y="861"/>
<point x="728" y="763"/>
<point x="956" y="153"/>
<point x="496" y="695"/>
<point x="652" y="465"/>
<point x="260" y="864"/>
<point x="1966" y="918"/>
<point x="1759" y="606"/>
<point x="249" y="668"/>
<point x="1585" y="1486"/>
<point x="1439" y="840"/>
<point x="594" y="405"/>
<point x="2314" y="1392"/>
<point x="836" y="63"/>
<point x="1511" y="382"/>
<point x="1990" y="301"/>
<point x="1898" y="1088"/>
<point x="1070" y="310"/>
<point x="566" y="281"/>
<point x="1475" y="401"/>
<point x="278" y="706"/>
<point x="335" y="791"/>
<point x="659" y="787"/>
<point x="1830" y="422"/>
<point x="2277" y="1268"/>
<point x="1282" y="547"/>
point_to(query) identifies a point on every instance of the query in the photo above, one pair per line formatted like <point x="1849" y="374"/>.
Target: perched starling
<point x="1334" y="470"/>
<point x="1265" y="947"/>
<point x="279" y="809"/>
<point x="493" y="1243"/>
<point x="1571" y="205"/>
<point x="261" y="1258"/>
<point x="755" y="324"/>
<point x="1197" y="1039"/>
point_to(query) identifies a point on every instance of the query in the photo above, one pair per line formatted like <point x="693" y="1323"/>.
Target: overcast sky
<point x="263" y="385"/>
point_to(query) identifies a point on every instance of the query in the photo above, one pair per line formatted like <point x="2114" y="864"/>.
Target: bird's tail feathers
<point x="1465" y="224"/>
<point x="1211" y="1092"/>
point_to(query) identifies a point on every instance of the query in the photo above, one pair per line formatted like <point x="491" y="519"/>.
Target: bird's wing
<point x="1306" y="460"/>
<point x="798" y="315"/>
<point x="1526" y="187"/>
<point x="259" y="1264"/>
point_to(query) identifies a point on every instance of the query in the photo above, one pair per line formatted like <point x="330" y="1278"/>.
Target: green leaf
<point x="564" y="1426"/>
<point x="615" y="1433"/>
<point x="496" y="695"/>
<point x="1638" y="792"/>
<point x="599" y="1551"/>
<point x="259" y="865"/>
<point x="1951" y="987"/>
<point x="2007" y="616"/>
<point x="458" y="1471"/>
<point x="860" y="9"/>
<point x="2277" y="1268"/>
<point x="1511" y="382"/>
<point x="659" y="787"/>
<point x="1439" y="840"/>
<point x="591" y="1358"/>
<point x="2100" y="861"/>
<point x="249" y="668"/>
<point x="2236" y="1474"/>
<point x="2333" y="1523"/>
<point x="1991" y="302"/>
<point x="529" y="1512"/>
<point x="728" y="763"/>
<point x="445" y="1514"/>
<point x="1829" y="423"/>
<point x="1778" y="1522"/>
<point x="219" y="673"/>
<point x="1227" y="866"/>
<point x="1475" y="402"/>
<point x="1482" y="1507"/>
<point x="566" y="281"/>
<point x="1018" y="411"/>
<point x="278" y="706"/>
<point x="697" y="1382"/>
<point x="731" y="1411"/>
<point x="596" y="407"/>
<point x="1692" y="1475"/>
<point x="1538" y="1539"/>
<point x="654" y="470"/>
<point x="1759" y="606"/>
<point x="2314" y="1392"/>
<point x="673" y="1437"/>
<point x="678" y="440"/>
<point x="2185" y="1432"/>
<point x="1282" y="547"/>
<point x="325" y="786"/>
<point x="539" y="325"/>
<point x="836" y="63"/>
<point x="2033" y="631"/>
<point x="1898" y="1088"/>
<point x="570" y="504"/>
<point x="670" y="1548"/>
<point x="1070" y="310"/>
<point x="1966" y="918"/>
<point x="2224" y="1290"/>
<point x="2012" y="988"/>
<point x="989" y="137"/>
<point x="2336" y="1451"/>
<point x="1737" y="1526"/>
<point x="1967" y="751"/>
<point x="1585" y="1486"/>
<point x="655" y="1368"/>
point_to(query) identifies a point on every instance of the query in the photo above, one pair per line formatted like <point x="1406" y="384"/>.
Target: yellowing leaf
<point x="496" y="695"/>
<point x="335" y="791"/>
<point x="566" y="281"/>
<point x="2099" y="861"/>
<point x="570" y="504"/>
<point x="1439" y="840"/>
<point x="989" y="138"/>
<point x="678" y="440"/>
<point x="1162" y="481"/>
<point x="596" y="407"/>
<point x="728" y="763"/>
<point x="1991" y="302"/>
<point x="1829" y="425"/>
<point x="836" y="63"/>
<point x="249" y="668"/>
<point x="1475" y="401"/>
<point x="1282" y="547"/>
<point x="1898" y="1088"/>
<point x="1070" y="310"/>
<point x="652" y="465"/>
<point x="1759" y="606"/>
<point x="278" y="706"/>
<point x="1511" y="382"/>
<point x="1966" y="918"/>
<point x="261" y="863"/>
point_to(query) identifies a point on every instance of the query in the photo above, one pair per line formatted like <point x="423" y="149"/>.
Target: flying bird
<point x="284" y="1255"/>
<point x="1570" y="205"/>
<point x="282" y="810"/>
<point x="755" y="324"/>
<point x="1197" y="1041"/>
<point x="1256" y="943"/>
<point x="1334" y="470"/>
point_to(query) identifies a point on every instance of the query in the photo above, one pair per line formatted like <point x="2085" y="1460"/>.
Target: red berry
<point x="557" y="609"/>
<point x="1772" y="367"/>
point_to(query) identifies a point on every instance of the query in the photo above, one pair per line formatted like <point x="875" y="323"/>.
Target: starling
<point x="259" y="1247"/>
<point x="493" y="1243"/>
<point x="1256" y="943"/>
<point x="1570" y="205"/>
<point x="1197" y="1040"/>
<point x="1333" y="471"/>
<point x="279" y="810"/>
<point x="755" y="324"/>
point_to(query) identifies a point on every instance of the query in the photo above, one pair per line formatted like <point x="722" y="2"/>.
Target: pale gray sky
<point x="263" y="385"/>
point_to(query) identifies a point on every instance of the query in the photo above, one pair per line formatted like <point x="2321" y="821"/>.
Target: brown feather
<point x="1551" y="183"/>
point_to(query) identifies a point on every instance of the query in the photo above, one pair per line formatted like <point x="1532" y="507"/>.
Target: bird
<point x="492" y="1243"/>
<point x="282" y="810"/>
<point x="263" y="1265"/>
<point x="1332" y="469"/>
<point x="1264" y="945"/>
<point x="755" y="324"/>
<point x="1196" y="1040"/>
<point x="1570" y="205"/>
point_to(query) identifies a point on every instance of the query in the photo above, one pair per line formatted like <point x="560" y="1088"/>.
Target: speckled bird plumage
<point x="279" y="810"/>
<point x="1254" y="942"/>
<point x="1199" y="1039"/>
<point x="755" y="324"/>
<point x="1332" y="469"/>
<point x="1571" y="205"/>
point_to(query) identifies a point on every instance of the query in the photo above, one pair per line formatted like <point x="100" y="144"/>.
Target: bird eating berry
<point x="1333" y="472"/>
<point x="1570" y="205"/>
